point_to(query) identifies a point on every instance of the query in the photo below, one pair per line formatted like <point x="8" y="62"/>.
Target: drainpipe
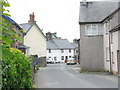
<point x="110" y="54"/>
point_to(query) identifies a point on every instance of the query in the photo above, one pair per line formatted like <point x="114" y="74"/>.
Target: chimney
<point x="85" y="3"/>
<point x="32" y="18"/>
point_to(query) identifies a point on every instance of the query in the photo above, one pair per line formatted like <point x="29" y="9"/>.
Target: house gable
<point x="28" y="26"/>
<point x="36" y="40"/>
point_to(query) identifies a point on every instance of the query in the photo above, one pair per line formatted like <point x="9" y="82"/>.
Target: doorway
<point x="118" y="61"/>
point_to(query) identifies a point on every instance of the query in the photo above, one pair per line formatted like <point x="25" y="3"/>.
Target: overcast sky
<point x="59" y="16"/>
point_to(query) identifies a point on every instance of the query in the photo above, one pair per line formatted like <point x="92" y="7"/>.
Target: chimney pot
<point x="32" y="18"/>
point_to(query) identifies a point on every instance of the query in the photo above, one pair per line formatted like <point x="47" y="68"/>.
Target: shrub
<point x="16" y="69"/>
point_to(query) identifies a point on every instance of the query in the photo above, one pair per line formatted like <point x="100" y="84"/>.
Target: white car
<point x="71" y="61"/>
<point x="50" y="60"/>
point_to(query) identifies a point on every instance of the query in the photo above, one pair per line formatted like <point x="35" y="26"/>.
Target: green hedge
<point x="16" y="69"/>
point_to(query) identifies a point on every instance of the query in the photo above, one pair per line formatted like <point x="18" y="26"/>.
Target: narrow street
<point x="68" y="76"/>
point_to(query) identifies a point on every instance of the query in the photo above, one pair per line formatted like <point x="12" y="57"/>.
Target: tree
<point x="16" y="68"/>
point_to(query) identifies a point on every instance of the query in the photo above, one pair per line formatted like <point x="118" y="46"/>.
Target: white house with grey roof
<point x="34" y="38"/>
<point x="96" y="19"/>
<point x="60" y="49"/>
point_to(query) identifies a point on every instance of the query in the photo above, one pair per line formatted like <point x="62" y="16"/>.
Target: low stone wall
<point x="37" y="62"/>
<point x="42" y="61"/>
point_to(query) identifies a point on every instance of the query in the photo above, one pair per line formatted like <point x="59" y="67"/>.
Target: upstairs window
<point x="69" y="50"/>
<point x="62" y="51"/>
<point x="49" y="50"/>
<point x="107" y="54"/>
<point x="93" y="29"/>
<point x="76" y="51"/>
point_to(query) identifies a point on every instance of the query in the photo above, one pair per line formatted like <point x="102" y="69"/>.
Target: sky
<point x="59" y="16"/>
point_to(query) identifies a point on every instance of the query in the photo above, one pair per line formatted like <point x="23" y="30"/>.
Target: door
<point x="55" y="58"/>
<point x="118" y="61"/>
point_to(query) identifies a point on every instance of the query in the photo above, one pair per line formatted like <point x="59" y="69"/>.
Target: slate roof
<point x="26" y="27"/>
<point x="74" y="45"/>
<point x="59" y="44"/>
<point x="96" y="11"/>
<point x="8" y="18"/>
<point x="11" y="20"/>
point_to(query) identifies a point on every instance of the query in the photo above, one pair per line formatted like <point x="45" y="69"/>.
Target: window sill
<point x="107" y="33"/>
<point x="107" y="60"/>
<point x="92" y="35"/>
<point x="113" y="62"/>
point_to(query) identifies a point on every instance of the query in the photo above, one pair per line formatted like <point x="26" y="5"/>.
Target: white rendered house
<point x="34" y="38"/>
<point x="60" y="49"/>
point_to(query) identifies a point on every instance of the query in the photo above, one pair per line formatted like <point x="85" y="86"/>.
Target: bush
<point x="16" y="69"/>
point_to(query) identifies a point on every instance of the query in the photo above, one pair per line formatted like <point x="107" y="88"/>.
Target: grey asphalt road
<point x="68" y="76"/>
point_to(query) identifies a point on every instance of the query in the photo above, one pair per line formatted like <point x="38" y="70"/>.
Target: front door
<point x="66" y="57"/>
<point x="118" y="61"/>
<point x="55" y="58"/>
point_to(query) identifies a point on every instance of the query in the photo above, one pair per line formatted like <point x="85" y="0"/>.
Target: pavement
<point x="69" y="76"/>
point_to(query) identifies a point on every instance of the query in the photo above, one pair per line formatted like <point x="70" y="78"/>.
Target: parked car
<point x="50" y="60"/>
<point x="71" y="61"/>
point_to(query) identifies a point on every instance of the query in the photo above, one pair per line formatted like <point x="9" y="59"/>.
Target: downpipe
<point x="110" y="55"/>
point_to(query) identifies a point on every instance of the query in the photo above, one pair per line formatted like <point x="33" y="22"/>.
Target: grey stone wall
<point x="91" y="52"/>
<point x="42" y="61"/>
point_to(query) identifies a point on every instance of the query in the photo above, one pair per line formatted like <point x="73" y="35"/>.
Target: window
<point x="62" y="51"/>
<point x="69" y="50"/>
<point x="95" y="29"/>
<point x="112" y="57"/>
<point x="55" y="58"/>
<point x="76" y="51"/>
<point x="111" y="38"/>
<point x="49" y="50"/>
<point x="107" y="54"/>
<point x="16" y="47"/>
<point x="108" y="26"/>
<point x="62" y="57"/>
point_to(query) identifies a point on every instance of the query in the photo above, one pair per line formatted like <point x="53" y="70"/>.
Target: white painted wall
<point x="36" y="41"/>
<point x="114" y="48"/>
<point x="106" y="45"/>
<point x="57" y="53"/>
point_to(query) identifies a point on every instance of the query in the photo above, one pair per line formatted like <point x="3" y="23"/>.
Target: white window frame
<point x="62" y="57"/>
<point x="99" y="30"/>
<point x="107" y="54"/>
